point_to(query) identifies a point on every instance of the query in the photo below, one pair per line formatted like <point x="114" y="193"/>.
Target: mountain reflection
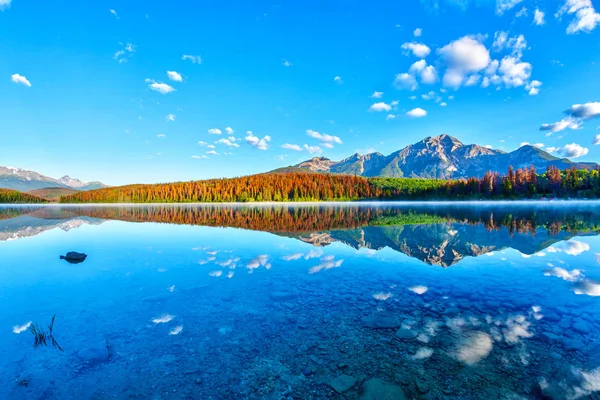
<point x="436" y="234"/>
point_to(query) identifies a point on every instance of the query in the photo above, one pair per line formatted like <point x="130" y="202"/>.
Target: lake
<point x="308" y="301"/>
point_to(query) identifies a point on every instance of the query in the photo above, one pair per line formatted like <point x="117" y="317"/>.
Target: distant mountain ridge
<point x="24" y="180"/>
<point x="441" y="157"/>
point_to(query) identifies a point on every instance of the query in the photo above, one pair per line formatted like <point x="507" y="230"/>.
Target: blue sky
<point x="86" y="91"/>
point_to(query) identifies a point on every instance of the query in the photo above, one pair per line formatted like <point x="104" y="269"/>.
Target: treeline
<point x="299" y="186"/>
<point x="516" y="184"/>
<point x="9" y="196"/>
<point x="263" y="187"/>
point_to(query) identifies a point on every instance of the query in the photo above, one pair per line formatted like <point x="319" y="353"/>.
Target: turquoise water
<point x="354" y="301"/>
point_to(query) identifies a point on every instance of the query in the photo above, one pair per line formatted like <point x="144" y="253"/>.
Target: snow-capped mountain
<point x="24" y="180"/>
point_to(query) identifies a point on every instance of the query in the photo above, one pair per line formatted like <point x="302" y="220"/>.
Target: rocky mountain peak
<point x="441" y="157"/>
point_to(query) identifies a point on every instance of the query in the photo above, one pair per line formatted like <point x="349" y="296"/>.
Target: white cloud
<point x="429" y="75"/>
<point x="260" y="144"/>
<point x="533" y="87"/>
<point x="338" y="79"/>
<point x="571" y="247"/>
<point x="417" y="113"/>
<point x="443" y="104"/>
<point x="418" y="32"/>
<point x="19" y="328"/>
<point x="161" y="135"/>
<point x="174" y="76"/>
<point x="113" y="12"/>
<point x="570" y="276"/>
<point x="522" y="13"/>
<point x="289" y="146"/>
<point x="515" y="45"/>
<point x="323" y="137"/>
<point x="227" y="142"/>
<point x="514" y="72"/>
<point x="405" y="81"/>
<point x="587" y="110"/>
<point x="429" y="95"/>
<point x="161" y="88"/>
<point x="463" y="57"/>
<point x="596" y="140"/>
<point x="126" y="52"/>
<point x="377" y="95"/>
<point x="500" y="39"/>
<point x="392" y="116"/>
<point x="538" y="17"/>
<point x="328" y="145"/>
<point x="585" y="19"/>
<point x="538" y="145"/>
<point x="313" y="149"/>
<point x="573" y="150"/>
<point x="488" y="146"/>
<point x="419" y="50"/>
<point x="286" y="63"/>
<point x="199" y="157"/>
<point x="214" y="131"/>
<point x="473" y="80"/>
<point x="567" y="123"/>
<point x="381" y="106"/>
<point x="170" y="117"/>
<point x="4" y="4"/>
<point x="504" y="5"/>
<point x="20" y="79"/>
<point x="212" y="153"/>
<point x="193" y="59"/>
<point x="419" y="289"/>
<point x="474" y="347"/>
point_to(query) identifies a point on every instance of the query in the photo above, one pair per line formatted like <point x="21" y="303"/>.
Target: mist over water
<point x="279" y="301"/>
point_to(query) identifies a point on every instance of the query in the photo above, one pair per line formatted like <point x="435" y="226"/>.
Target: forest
<point x="255" y="188"/>
<point x="9" y="196"/>
<point x="523" y="183"/>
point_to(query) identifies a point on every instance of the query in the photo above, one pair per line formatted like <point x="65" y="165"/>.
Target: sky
<point x="147" y="91"/>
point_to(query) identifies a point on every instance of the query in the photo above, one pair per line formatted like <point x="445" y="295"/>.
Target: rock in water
<point x="74" y="257"/>
<point x="406" y="334"/>
<point x="376" y="389"/>
<point x="283" y="296"/>
<point x="94" y="355"/>
<point x="342" y="383"/>
<point x="381" y="322"/>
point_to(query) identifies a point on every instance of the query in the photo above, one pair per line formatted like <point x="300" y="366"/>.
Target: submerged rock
<point x="581" y="326"/>
<point x="406" y="334"/>
<point x="422" y="385"/>
<point x="95" y="354"/>
<point x="74" y="257"/>
<point x="381" y="322"/>
<point x="342" y="383"/>
<point x="283" y="296"/>
<point x="377" y="389"/>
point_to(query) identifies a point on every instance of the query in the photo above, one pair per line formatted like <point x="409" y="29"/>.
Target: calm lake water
<point x="353" y="301"/>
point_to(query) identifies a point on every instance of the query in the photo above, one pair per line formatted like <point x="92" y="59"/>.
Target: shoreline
<point x="307" y="203"/>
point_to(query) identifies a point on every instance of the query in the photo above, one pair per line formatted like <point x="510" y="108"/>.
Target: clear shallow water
<point x="277" y="302"/>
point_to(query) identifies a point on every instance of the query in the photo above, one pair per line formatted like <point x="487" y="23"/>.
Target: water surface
<point x="302" y="301"/>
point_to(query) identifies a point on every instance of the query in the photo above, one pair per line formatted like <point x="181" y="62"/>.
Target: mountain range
<point x="441" y="157"/>
<point x="24" y="181"/>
